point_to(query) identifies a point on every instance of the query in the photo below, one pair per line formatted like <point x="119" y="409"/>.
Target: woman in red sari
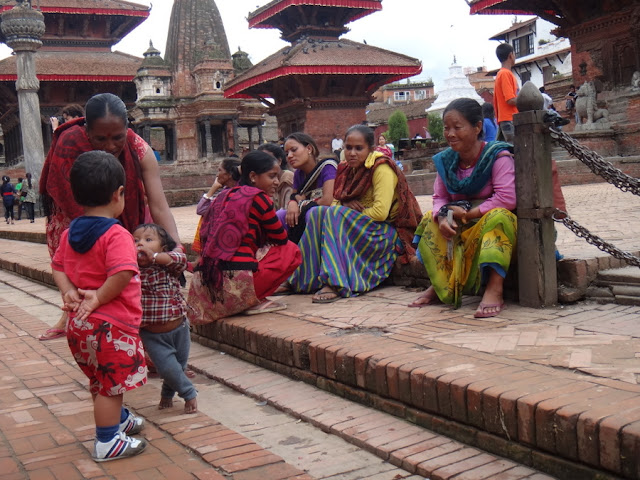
<point x="104" y="127"/>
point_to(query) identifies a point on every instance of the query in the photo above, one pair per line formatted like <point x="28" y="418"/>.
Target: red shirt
<point x="162" y="299"/>
<point x="113" y="252"/>
<point x="505" y="88"/>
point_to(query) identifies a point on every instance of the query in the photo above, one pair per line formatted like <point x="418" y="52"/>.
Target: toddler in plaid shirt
<point x="164" y="329"/>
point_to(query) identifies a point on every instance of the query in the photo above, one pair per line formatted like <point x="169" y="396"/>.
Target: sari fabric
<point x="69" y="141"/>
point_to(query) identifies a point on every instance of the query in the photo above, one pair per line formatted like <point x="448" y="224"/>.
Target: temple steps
<point x="617" y="285"/>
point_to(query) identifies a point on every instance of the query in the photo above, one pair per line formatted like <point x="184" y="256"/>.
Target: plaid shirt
<point x="162" y="300"/>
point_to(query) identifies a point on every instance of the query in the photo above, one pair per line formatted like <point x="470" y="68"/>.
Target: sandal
<point x="283" y="289"/>
<point x="488" y="310"/>
<point x="267" y="306"/>
<point x="321" y="296"/>
<point x="52" y="334"/>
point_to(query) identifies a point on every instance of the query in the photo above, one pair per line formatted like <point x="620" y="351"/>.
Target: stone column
<point x="208" y="140"/>
<point x="260" y="136"/>
<point x="537" y="275"/>
<point x="250" y="132"/>
<point x="146" y="134"/>
<point x="236" y="138"/>
<point x="23" y="27"/>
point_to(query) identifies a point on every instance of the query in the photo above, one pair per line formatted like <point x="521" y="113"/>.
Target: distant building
<point x="399" y="93"/>
<point x="540" y="55"/>
<point x="378" y="114"/>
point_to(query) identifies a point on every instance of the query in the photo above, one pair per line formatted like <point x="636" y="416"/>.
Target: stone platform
<point x="556" y="389"/>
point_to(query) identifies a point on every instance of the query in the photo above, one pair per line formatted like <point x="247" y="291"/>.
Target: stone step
<point x="620" y="276"/>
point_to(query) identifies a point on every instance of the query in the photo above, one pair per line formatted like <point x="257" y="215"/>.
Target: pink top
<point x="113" y="252"/>
<point x="499" y="192"/>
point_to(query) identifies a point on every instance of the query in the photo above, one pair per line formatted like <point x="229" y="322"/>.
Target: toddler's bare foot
<point x="165" y="403"/>
<point x="191" y="406"/>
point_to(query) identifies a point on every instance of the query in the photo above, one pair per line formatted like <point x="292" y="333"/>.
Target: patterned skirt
<point x="488" y="243"/>
<point x="346" y="250"/>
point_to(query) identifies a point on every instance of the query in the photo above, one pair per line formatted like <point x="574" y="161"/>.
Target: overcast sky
<point x="430" y="30"/>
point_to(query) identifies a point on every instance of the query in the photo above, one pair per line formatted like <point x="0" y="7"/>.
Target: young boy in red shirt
<point x="96" y="270"/>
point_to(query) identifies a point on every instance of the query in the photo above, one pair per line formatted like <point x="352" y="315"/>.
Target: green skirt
<point x="487" y="243"/>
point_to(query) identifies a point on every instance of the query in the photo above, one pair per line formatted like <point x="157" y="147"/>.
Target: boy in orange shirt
<point x="505" y="91"/>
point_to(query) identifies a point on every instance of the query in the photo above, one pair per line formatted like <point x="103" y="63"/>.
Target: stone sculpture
<point x="587" y="105"/>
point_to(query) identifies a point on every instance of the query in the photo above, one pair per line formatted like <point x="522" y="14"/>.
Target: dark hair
<point x="29" y="179"/>
<point x="104" y="104"/>
<point x="73" y="110"/>
<point x="469" y="109"/>
<point x="5" y="179"/>
<point x="166" y="240"/>
<point x="542" y="90"/>
<point x="277" y="152"/>
<point x="503" y="51"/>
<point x="305" y="140"/>
<point x="20" y="179"/>
<point x="232" y="167"/>
<point x="257" y="162"/>
<point x="94" y="177"/>
<point x="366" y="132"/>
<point x="232" y="150"/>
<point x="488" y="111"/>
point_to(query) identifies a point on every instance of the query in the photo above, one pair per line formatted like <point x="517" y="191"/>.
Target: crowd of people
<point x="282" y="220"/>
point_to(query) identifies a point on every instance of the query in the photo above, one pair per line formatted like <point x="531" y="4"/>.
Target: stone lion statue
<point x="587" y="105"/>
<point x="635" y="80"/>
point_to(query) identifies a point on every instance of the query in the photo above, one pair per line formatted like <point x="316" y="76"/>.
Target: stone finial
<point x="22" y="27"/>
<point x="529" y="98"/>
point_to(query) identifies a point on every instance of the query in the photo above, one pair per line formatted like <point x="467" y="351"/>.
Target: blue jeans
<point x="170" y="352"/>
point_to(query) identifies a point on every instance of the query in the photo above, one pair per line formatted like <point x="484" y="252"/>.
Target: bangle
<point x="206" y="197"/>
<point x="154" y="257"/>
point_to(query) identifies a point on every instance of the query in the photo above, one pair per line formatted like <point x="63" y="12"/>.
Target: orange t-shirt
<point x="506" y="88"/>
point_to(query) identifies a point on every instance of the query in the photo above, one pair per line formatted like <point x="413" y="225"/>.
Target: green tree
<point x="398" y="127"/>
<point x="436" y="127"/>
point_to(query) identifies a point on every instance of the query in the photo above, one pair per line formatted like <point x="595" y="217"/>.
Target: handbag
<point x="239" y="295"/>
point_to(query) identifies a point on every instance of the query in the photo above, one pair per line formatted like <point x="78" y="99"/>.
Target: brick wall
<point x="322" y="124"/>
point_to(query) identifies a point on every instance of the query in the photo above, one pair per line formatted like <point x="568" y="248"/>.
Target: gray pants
<point x="170" y="353"/>
<point x="508" y="131"/>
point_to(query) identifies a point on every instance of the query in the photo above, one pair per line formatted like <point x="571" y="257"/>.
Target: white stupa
<point x="456" y="85"/>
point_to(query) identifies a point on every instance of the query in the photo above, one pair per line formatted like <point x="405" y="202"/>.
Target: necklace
<point x="467" y="165"/>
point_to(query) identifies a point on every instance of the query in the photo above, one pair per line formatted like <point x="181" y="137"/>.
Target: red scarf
<point x="69" y="141"/>
<point x="351" y="184"/>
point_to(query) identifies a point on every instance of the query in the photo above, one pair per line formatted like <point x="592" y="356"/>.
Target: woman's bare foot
<point x="191" y="406"/>
<point x="492" y="301"/>
<point x="190" y="373"/>
<point x="428" y="297"/>
<point x="165" y="403"/>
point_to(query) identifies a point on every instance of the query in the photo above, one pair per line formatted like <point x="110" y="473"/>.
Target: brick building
<point x="399" y="93"/>
<point x="74" y="62"/>
<point x="321" y="83"/>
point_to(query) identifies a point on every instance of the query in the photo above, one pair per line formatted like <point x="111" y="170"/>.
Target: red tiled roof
<point x="95" y="7"/>
<point x="516" y="7"/>
<point x="361" y="8"/>
<point x="81" y="67"/>
<point x="329" y="57"/>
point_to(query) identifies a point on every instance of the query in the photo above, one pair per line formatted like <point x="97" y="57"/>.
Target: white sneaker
<point x="132" y="424"/>
<point x="120" y="446"/>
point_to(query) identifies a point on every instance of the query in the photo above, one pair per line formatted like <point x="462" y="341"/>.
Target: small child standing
<point x="96" y="270"/>
<point x="164" y="329"/>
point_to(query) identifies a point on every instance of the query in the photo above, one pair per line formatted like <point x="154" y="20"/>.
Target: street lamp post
<point x="22" y="27"/>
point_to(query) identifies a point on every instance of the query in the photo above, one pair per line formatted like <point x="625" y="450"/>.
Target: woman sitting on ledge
<point x="468" y="238"/>
<point x="350" y="248"/>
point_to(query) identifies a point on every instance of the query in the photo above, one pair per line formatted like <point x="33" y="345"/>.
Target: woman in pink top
<point x="467" y="240"/>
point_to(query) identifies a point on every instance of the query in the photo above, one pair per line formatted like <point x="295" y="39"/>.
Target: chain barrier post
<point x="537" y="274"/>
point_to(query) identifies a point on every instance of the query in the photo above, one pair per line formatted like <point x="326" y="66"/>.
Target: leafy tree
<point x="398" y="127"/>
<point x="436" y="127"/>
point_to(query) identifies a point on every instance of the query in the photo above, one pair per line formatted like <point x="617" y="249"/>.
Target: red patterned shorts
<point x="112" y="359"/>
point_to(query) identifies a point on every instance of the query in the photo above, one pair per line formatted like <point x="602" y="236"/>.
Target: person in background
<point x="336" y="145"/>
<point x="467" y="240"/>
<point x="18" y="199"/>
<point x="570" y="103"/>
<point x="489" y="125"/>
<point x="505" y="92"/>
<point x="285" y="188"/>
<point x="69" y="112"/>
<point x="105" y="127"/>
<point x="8" y="198"/>
<point x="30" y="197"/>
<point x="232" y="153"/>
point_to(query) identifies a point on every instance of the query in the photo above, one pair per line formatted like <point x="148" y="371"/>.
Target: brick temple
<point x="74" y="62"/>
<point x="320" y="83"/>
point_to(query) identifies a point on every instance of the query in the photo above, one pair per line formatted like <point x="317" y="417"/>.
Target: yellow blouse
<point x="380" y="200"/>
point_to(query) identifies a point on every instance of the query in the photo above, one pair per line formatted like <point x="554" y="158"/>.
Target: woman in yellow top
<point x="350" y="247"/>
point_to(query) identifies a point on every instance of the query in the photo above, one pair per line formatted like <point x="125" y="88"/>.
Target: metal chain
<point x="594" y="240"/>
<point x="596" y="163"/>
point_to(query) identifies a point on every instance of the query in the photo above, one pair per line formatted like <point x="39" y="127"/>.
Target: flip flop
<point x="286" y="290"/>
<point x="266" y="307"/>
<point x="316" y="299"/>
<point x="52" y="334"/>
<point x="482" y="312"/>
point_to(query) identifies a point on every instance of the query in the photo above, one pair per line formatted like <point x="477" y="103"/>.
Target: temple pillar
<point x="23" y="27"/>
<point x="208" y="140"/>
<point x="250" y="133"/>
<point x="260" y="136"/>
<point x="146" y="134"/>
<point x="236" y="138"/>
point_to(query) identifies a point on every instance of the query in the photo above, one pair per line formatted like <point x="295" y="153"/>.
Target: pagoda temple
<point x="320" y="83"/>
<point x="605" y="49"/>
<point x="75" y="61"/>
<point x="180" y="109"/>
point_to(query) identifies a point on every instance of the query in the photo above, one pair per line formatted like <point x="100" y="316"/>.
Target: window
<point x="401" y="96"/>
<point x="523" y="46"/>
<point x="419" y="94"/>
